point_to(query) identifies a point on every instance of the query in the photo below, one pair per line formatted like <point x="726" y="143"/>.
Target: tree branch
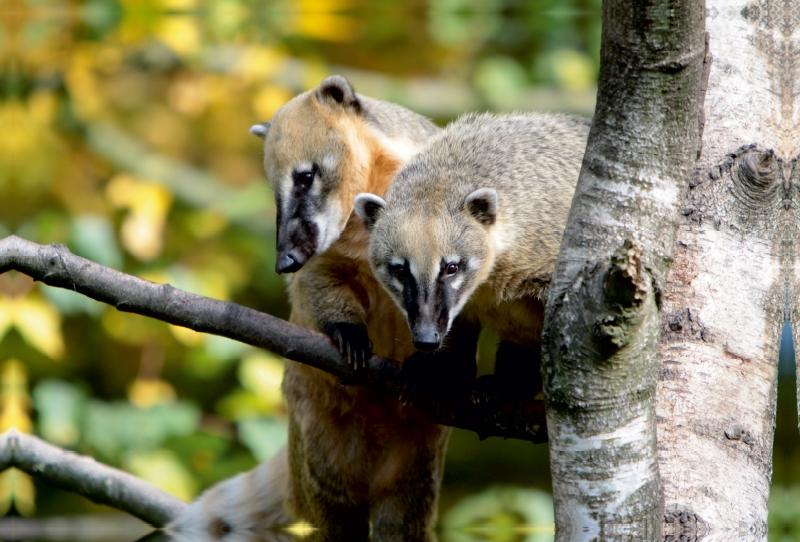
<point x="54" y="265"/>
<point x="99" y="483"/>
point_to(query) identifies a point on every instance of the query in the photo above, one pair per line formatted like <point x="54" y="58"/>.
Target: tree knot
<point x="625" y="289"/>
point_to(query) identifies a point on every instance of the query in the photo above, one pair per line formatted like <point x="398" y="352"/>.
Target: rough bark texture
<point x="603" y="323"/>
<point x="54" y="265"/>
<point x="83" y="475"/>
<point x="735" y="260"/>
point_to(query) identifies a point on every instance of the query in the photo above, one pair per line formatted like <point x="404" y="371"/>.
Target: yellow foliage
<point x="257" y="64"/>
<point x="142" y="232"/>
<point x="313" y="73"/>
<point x="20" y="136"/>
<point x="29" y="150"/>
<point x="37" y="321"/>
<point x="573" y="70"/>
<point x="130" y="329"/>
<point x="262" y="374"/>
<point x="189" y="96"/>
<point x="88" y="101"/>
<point x="15" y="403"/>
<point x="180" y="32"/>
<point x="214" y="284"/>
<point x="17" y="488"/>
<point x="307" y="7"/>
<point x="165" y="471"/>
<point x="6" y="320"/>
<point x="187" y="336"/>
<point x="178" y="5"/>
<point x="326" y="26"/>
<point x="146" y="392"/>
<point x="269" y="99"/>
<point x="43" y="107"/>
<point x="207" y="223"/>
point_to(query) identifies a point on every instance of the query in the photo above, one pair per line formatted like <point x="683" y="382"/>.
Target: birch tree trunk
<point x="603" y="323"/>
<point x="735" y="262"/>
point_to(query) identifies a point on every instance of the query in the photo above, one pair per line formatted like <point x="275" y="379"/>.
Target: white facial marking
<point x="501" y="237"/>
<point x="434" y="269"/>
<point x="285" y="190"/>
<point x="328" y="225"/>
<point x="414" y="270"/>
<point x="401" y="147"/>
<point x="329" y="162"/>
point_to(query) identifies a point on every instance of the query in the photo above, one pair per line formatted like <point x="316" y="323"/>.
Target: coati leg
<point x="517" y="374"/>
<point x="329" y="457"/>
<point x="326" y="297"/>
<point x="407" y="511"/>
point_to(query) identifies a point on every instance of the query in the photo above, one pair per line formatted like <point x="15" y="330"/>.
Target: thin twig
<point x="83" y="475"/>
<point x="55" y="265"/>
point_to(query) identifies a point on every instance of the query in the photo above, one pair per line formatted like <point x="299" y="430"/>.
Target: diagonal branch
<point x="83" y="475"/>
<point x="54" y="265"/>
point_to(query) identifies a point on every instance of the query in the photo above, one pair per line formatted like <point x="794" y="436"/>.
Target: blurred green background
<point x="124" y="136"/>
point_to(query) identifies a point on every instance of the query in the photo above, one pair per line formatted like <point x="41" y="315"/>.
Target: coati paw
<point x="353" y="342"/>
<point x="487" y="389"/>
<point x="439" y="380"/>
<point x="494" y="388"/>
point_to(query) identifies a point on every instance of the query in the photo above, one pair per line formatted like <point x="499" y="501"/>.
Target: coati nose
<point x="287" y="263"/>
<point x="426" y="340"/>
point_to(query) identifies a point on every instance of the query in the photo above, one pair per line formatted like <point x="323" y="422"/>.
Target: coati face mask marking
<point x="305" y="156"/>
<point x="430" y="262"/>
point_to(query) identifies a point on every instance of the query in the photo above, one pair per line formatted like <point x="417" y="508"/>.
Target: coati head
<point x="430" y="256"/>
<point x="312" y="153"/>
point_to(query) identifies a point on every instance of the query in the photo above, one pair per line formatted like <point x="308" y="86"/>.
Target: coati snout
<point x="297" y="227"/>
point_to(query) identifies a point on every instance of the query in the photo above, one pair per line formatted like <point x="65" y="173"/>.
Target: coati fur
<point x="471" y="227"/>
<point x="353" y="454"/>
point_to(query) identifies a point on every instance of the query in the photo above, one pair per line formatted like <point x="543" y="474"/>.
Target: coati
<point x="352" y="454"/>
<point x="471" y="228"/>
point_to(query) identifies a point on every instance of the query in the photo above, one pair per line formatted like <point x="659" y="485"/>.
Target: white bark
<point x="602" y="321"/>
<point x="726" y="290"/>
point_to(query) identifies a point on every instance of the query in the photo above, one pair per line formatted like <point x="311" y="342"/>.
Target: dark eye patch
<point x="304" y="179"/>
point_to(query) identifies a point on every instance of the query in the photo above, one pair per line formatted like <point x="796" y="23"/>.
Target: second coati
<point x="353" y="454"/>
<point x="472" y="226"/>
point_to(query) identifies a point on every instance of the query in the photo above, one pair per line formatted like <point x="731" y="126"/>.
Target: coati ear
<point x="369" y="207"/>
<point x="260" y="129"/>
<point x="336" y="90"/>
<point x="482" y="204"/>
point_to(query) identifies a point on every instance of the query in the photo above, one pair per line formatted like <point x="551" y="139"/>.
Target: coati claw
<point x="486" y="389"/>
<point x="353" y="341"/>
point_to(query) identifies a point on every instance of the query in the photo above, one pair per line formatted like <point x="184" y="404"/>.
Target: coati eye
<point x="452" y="269"/>
<point x="304" y="179"/>
<point x="397" y="270"/>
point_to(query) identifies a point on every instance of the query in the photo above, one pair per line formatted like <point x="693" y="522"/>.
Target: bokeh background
<point x="123" y="134"/>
